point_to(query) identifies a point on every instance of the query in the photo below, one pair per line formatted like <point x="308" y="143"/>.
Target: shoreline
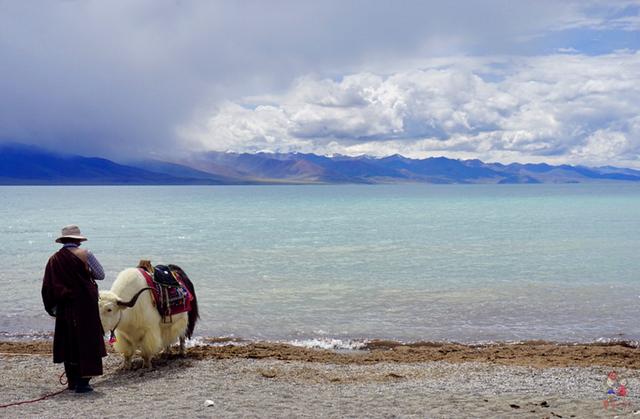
<point x="538" y="354"/>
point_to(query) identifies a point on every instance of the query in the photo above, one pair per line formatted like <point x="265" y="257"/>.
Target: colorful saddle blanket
<point x="170" y="297"/>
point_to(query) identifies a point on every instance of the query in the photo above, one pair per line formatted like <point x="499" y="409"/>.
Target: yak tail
<point x="193" y="313"/>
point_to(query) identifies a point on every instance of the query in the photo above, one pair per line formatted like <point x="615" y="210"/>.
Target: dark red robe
<point x="69" y="293"/>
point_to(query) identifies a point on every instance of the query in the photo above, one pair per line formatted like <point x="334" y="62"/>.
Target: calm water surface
<point x="411" y="262"/>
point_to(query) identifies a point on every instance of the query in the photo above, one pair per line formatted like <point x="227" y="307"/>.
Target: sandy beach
<point x="533" y="379"/>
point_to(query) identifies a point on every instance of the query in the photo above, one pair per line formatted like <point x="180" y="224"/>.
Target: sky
<point x="510" y="80"/>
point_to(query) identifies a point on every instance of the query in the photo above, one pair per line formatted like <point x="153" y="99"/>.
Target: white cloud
<point x="599" y="15"/>
<point x="603" y="143"/>
<point x="558" y="108"/>
<point x="624" y="23"/>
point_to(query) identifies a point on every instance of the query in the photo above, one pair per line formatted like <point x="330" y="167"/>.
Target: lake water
<point x="468" y="263"/>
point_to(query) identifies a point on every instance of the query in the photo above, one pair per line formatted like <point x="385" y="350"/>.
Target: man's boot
<point x="83" y="385"/>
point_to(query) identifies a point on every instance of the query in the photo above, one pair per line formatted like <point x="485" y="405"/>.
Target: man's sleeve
<point x="48" y="297"/>
<point x="96" y="268"/>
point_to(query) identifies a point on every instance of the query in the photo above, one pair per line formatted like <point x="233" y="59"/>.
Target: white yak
<point x="129" y="311"/>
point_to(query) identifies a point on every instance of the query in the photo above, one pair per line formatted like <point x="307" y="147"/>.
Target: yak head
<point x="111" y="307"/>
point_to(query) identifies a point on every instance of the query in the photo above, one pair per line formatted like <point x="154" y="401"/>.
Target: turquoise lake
<point x="467" y="263"/>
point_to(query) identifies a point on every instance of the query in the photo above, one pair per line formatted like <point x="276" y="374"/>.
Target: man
<point x="70" y="294"/>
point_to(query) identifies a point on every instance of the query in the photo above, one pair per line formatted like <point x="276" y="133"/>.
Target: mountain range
<point x="30" y="165"/>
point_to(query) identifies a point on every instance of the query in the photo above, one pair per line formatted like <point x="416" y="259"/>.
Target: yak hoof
<point x="183" y="352"/>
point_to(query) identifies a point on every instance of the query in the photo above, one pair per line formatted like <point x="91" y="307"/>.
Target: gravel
<point x="274" y="388"/>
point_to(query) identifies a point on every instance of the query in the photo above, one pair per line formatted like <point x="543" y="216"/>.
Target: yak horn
<point x="133" y="300"/>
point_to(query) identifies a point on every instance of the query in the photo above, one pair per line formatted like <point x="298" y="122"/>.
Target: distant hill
<point x="182" y="172"/>
<point x="24" y="165"/>
<point x="311" y="168"/>
<point x="29" y="165"/>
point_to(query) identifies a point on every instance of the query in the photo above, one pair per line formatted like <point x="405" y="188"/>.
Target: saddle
<point x="170" y="294"/>
<point x="163" y="276"/>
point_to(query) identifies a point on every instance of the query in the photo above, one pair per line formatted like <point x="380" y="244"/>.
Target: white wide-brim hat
<point x="71" y="232"/>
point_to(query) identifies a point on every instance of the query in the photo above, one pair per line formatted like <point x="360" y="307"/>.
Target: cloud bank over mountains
<point x="551" y="108"/>
<point x="494" y="79"/>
